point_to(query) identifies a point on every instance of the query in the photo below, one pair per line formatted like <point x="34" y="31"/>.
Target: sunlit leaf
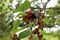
<point x="24" y="34"/>
<point x="23" y="7"/>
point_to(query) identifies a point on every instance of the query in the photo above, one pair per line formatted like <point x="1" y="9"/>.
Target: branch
<point x="46" y="4"/>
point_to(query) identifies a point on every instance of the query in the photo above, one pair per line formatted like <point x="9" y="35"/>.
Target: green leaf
<point x="21" y="15"/>
<point x="58" y="20"/>
<point x="15" y="26"/>
<point x="31" y="24"/>
<point x="23" y="7"/>
<point x="46" y="20"/>
<point x="43" y="32"/>
<point x="16" y="23"/>
<point x="35" y="37"/>
<point x="24" y="34"/>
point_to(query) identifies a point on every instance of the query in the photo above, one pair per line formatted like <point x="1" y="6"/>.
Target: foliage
<point x="9" y="26"/>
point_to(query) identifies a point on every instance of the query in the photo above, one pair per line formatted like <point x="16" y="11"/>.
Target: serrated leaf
<point x="24" y="34"/>
<point x="23" y="7"/>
